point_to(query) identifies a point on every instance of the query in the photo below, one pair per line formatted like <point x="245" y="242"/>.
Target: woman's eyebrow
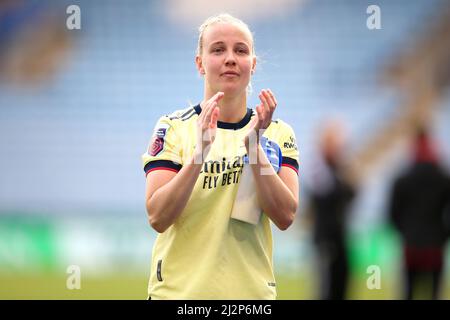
<point x="217" y="42"/>
<point x="221" y="42"/>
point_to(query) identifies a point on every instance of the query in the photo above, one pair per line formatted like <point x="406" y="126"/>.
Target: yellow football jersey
<point x="206" y="254"/>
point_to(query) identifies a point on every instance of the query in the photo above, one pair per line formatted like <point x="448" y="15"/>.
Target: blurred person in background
<point x="330" y="197"/>
<point x="419" y="210"/>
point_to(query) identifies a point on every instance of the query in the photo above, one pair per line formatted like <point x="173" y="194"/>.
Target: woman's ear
<point x="198" y="62"/>
<point x="253" y="64"/>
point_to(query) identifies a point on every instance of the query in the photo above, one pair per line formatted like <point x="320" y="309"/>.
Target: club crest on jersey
<point x="157" y="144"/>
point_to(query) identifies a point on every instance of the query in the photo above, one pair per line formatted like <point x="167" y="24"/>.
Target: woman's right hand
<point x="207" y="125"/>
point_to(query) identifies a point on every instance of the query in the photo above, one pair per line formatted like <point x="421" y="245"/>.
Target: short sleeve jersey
<point x="206" y="254"/>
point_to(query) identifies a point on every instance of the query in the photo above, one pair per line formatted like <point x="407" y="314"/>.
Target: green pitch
<point x="119" y="286"/>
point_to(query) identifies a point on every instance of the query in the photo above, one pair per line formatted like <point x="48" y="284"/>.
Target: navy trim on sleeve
<point x="162" y="164"/>
<point x="289" y="162"/>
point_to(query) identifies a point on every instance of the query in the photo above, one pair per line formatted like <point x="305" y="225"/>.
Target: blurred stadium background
<point x="77" y="108"/>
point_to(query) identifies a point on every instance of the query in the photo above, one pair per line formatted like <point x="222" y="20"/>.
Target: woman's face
<point x="227" y="60"/>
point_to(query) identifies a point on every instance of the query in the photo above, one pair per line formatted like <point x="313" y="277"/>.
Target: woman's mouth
<point x="230" y="74"/>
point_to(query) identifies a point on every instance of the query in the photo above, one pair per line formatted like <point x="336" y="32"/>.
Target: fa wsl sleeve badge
<point x="157" y="143"/>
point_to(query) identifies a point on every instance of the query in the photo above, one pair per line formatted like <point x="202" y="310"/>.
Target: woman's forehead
<point x="222" y="32"/>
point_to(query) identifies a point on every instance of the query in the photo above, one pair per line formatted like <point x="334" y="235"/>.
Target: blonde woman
<point x="193" y="168"/>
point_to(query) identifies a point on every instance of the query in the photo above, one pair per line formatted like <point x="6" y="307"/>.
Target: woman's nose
<point x="230" y="60"/>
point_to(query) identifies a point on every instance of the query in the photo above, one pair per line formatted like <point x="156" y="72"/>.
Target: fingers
<point x="264" y="102"/>
<point x="215" y="98"/>
<point x="271" y="95"/>
<point x="268" y="100"/>
<point x="267" y="107"/>
<point x="209" y="111"/>
<point x="214" y="117"/>
<point x="219" y="95"/>
<point x="210" y="103"/>
<point x="260" y="112"/>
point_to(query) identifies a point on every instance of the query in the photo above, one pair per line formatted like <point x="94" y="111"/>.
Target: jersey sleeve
<point x="288" y="146"/>
<point x="163" y="152"/>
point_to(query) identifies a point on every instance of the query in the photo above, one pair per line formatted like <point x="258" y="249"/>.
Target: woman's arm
<point x="167" y="192"/>
<point x="277" y="193"/>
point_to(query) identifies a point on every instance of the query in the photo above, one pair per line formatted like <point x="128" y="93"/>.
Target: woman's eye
<point x="217" y="50"/>
<point x="242" y="51"/>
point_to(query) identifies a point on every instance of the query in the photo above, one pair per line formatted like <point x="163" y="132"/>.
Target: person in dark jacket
<point x="419" y="210"/>
<point x="330" y="198"/>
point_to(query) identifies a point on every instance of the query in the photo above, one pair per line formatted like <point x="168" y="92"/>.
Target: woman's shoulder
<point x="180" y="114"/>
<point x="279" y="124"/>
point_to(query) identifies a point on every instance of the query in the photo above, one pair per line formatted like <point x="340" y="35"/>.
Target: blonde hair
<point x="222" y="18"/>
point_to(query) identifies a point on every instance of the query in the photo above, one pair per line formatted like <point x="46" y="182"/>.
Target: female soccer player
<point x="193" y="168"/>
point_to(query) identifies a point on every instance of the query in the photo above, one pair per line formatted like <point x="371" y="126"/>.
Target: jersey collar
<point x="230" y="125"/>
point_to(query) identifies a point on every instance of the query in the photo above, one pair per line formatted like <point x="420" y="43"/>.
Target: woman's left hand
<point x="264" y="112"/>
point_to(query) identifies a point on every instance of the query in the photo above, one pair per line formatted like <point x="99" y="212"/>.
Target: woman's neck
<point x="232" y="109"/>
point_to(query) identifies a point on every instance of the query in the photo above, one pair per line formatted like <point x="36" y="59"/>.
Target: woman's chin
<point x="231" y="90"/>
